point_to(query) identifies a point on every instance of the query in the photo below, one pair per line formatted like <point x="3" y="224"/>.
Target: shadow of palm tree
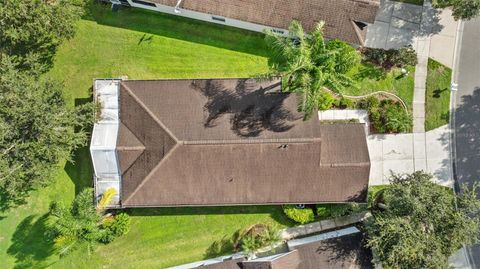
<point x="30" y="247"/>
<point x="252" y="110"/>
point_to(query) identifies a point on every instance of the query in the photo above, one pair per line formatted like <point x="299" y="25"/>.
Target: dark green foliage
<point x="462" y="9"/>
<point x="309" y="65"/>
<point x="115" y="227"/>
<point x="420" y="227"/>
<point x="37" y="131"/>
<point x="83" y="224"/>
<point x="325" y="101"/>
<point x="345" y="103"/>
<point x="299" y="215"/>
<point x="387" y="116"/>
<point x="387" y="59"/>
<point x="325" y="211"/>
<point x="258" y="236"/>
<point x="31" y="30"/>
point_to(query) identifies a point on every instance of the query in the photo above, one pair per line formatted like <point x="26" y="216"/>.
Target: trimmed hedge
<point x="298" y="215"/>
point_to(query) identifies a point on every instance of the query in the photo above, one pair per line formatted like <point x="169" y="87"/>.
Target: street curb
<point x="453" y="101"/>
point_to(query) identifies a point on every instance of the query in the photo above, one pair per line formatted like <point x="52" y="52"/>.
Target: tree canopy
<point x="31" y="30"/>
<point x="309" y="65"/>
<point x="462" y="9"/>
<point x="420" y="225"/>
<point x="37" y="131"/>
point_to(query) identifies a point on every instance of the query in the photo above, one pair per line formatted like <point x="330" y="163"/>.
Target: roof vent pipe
<point x="177" y="7"/>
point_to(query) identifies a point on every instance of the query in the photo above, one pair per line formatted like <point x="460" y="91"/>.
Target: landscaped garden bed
<point x="437" y="98"/>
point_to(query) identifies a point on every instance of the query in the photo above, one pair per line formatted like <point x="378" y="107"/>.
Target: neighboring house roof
<point x="289" y="260"/>
<point x="345" y="251"/>
<point x="340" y="16"/>
<point x="226" y="264"/>
<point x="232" y="141"/>
<point x="337" y="249"/>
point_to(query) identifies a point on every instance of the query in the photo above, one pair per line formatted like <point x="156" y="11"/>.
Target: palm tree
<point x="309" y="65"/>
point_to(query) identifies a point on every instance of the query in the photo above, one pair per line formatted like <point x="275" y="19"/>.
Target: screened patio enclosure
<point x="104" y="138"/>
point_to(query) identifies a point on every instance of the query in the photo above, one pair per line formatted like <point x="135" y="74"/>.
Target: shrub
<point x="375" y="56"/>
<point x="115" y="227"/>
<point x="325" y="101"/>
<point x="302" y="216"/>
<point x="388" y="59"/>
<point x="346" y="103"/>
<point x="258" y="236"/>
<point x="387" y="116"/>
<point x="338" y="210"/>
<point x="402" y="57"/>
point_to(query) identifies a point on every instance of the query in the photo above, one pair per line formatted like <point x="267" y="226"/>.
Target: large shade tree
<point x="309" y="65"/>
<point x="31" y="30"/>
<point x="421" y="224"/>
<point x="37" y="131"/>
<point x="461" y="9"/>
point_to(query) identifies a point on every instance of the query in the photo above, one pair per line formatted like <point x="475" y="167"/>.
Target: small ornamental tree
<point x="417" y="225"/>
<point x="81" y="223"/>
<point x="309" y="65"/>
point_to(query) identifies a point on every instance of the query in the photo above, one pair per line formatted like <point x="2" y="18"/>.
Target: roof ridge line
<point x="139" y="186"/>
<point x="256" y="141"/>
<point x="357" y="32"/>
<point x="126" y="148"/>
<point x="159" y="122"/>
<point x="347" y="164"/>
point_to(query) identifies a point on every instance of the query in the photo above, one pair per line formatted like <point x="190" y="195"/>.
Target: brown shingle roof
<point x="339" y="15"/>
<point x="289" y="260"/>
<point x="232" y="141"/>
<point x="227" y="264"/>
<point x="344" y="252"/>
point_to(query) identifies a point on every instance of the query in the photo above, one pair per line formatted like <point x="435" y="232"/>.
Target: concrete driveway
<point x="407" y="153"/>
<point x="398" y="24"/>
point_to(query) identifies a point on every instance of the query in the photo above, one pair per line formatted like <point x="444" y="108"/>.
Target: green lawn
<point x="370" y="78"/>
<point x="437" y="99"/>
<point x="141" y="45"/>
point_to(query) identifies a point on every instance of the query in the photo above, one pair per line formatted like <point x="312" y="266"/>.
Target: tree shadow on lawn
<point x="30" y="246"/>
<point x="80" y="171"/>
<point x="176" y="27"/>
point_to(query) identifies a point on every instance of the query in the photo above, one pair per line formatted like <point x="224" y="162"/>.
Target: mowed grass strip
<point x="141" y="45"/>
<point x="437" y="99"/>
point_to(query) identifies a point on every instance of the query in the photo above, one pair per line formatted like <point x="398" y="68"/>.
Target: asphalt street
<point x="467" y="114"/>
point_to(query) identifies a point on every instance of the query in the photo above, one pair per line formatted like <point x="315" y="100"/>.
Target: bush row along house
<point x="209" y="142"/>
<point x="346" y="20"/>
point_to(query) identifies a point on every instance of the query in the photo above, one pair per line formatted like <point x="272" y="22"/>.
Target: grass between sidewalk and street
<point x="437" y="98"/>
